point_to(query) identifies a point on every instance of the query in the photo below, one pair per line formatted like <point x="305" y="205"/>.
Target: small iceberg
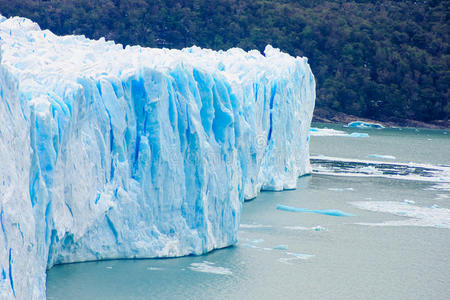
<point x="358" y="135"/>
<point x="253" y="226"/>
<point x="327" y="212"/>
<point x="333" y="132"/>
<point x="300" y="255"/>
<point x="326" y="132"/>
<point x="315" y="228"/>
<point x="341" y="189"/>
<point x="381" y="156"/>
<point x="409" y="201"/>
<point x="296" y="256"/>
<point x="208" y="267"/>
<point x="362" y="124"/>
<point x="281" y="247"/>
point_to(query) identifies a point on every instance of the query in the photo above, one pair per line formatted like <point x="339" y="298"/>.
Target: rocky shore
<point x="325" y="115"/>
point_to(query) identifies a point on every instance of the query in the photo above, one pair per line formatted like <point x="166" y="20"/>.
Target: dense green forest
<point x="376" y="59"/>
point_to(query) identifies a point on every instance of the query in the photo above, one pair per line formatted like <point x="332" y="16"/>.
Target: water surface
<point x="396" y="246"/>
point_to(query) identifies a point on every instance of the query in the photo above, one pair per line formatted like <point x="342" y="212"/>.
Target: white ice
<point x="209" y="267"/>
<point x="111" y="152"/>
<point x="433" y="216"/>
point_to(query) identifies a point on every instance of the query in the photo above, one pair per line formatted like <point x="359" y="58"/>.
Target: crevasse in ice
<point x="113" y="152"/>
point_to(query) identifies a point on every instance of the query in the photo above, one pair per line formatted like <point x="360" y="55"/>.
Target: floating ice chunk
<point x="300" y="255"/>
<point x="371" y="170"/>
<point x="440" y="174"/>
<point x="296" y="228"/>
<point x="409" y="201"/>
<point x="251" y="226"/>
<point x="318" y="228"/>
<point x="315" y="228"/>
<point x="296" y="256"/>
<point x="358" y="135"/>
<point x="281" y="247"/>
<point x="247" y="245"/>
<point x="328" y="212"/>
<point x="418" y="216"/>
<point x="155" y="269"/>
<point x="326" y="132"/>
<point x="381" y="156"/>
<point x="362" y="124"/>
<point x="340" y="189"/>
<point x="257" y="241"/>
<point x="208" y="267"/>
<point x="333" y="132"/>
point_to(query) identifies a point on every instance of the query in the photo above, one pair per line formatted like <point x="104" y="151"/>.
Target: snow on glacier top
<point x="70" y="57"/>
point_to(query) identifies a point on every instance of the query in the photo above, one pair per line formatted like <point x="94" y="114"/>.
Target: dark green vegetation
<point x="376" y="59"/>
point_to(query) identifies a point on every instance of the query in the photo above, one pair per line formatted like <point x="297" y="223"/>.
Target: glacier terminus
<point x="130" y="152"/>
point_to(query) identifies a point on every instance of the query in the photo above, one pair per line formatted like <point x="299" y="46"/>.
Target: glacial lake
<point x="395" y="245"/>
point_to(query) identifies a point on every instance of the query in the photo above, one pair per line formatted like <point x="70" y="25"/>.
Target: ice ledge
<point x="110" y="152"/>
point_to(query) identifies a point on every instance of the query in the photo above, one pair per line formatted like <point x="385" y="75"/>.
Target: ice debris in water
<point x="358" y="135"/>
<point x="314" y="228"/>
<point x="155" y="269"/>
<point x="417" y="215"/>
<point x="381" y="156"/>
<point x="328" y="212"/>
<point x="326" y="132"/>
<point x="362" y="124"/>
<point x="333" y="132"/>
<point x="254" y="226"/>
<point x="296" y="256"/>
<point x="340" y="189"/>
<point x="113" y="152"/>
<point x="209" y="267"/>
<point x="370" y="170"/>
<point x="281" y="247"/>
<point x="257" y="241"/>
<point x="409" y="201"/>
<point x="442" y="186"/>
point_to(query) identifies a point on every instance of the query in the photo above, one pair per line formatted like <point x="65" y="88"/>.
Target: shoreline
<point x="325" y="115"/>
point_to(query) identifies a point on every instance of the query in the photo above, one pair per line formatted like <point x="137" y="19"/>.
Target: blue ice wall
<point x="112" y="152"/>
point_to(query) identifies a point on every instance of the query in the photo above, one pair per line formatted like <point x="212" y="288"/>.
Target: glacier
<point x="130" y="152"/>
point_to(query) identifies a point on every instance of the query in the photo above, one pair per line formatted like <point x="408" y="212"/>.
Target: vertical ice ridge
<point x="137" y="152"/>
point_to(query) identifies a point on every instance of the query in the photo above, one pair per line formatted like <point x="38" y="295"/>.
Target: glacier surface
<point x="111" y="152"/>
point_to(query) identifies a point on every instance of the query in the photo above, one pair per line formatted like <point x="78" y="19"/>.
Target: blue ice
<point x="116" y="152"/>
<point x="328" y="212"/>
<point x="281" y="247"/>
<point x="381" y="156"/>
<point x="362" y="124"/>
<point x="358" y="135"/>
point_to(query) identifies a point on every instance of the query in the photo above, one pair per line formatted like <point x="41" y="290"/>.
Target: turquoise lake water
<point x="396" y="244"/>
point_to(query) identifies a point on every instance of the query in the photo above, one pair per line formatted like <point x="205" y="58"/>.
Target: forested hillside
<point x="375" y="59"/>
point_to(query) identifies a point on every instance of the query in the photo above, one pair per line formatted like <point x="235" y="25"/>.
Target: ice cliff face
<point x="108" y="152"/>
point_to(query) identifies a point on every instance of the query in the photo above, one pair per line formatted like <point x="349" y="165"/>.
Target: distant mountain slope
<point x="375" y="59"/>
